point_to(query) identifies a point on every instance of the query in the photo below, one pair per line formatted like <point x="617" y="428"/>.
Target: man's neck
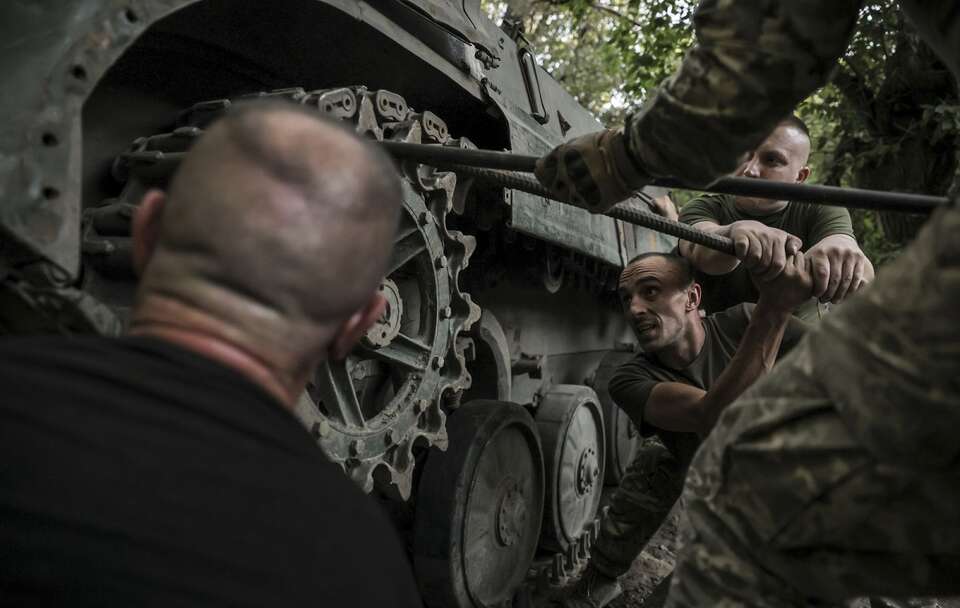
<point x="192" y="330"/>
<point x="682" y="352"/>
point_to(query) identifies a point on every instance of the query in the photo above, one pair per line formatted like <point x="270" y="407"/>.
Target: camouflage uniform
<point x="652" y="484"/>
<point x="753" y="62"/>
<point x="837" y="474"/>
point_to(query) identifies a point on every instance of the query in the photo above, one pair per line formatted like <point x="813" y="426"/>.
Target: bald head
<point x="277" y="222"/>
<point x="782" y="157"/>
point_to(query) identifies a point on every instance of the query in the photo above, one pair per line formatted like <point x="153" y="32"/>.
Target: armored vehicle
<point x="476" y="409"/>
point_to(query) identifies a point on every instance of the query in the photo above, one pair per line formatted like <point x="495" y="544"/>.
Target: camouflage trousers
<point x="838" y="475"/>
<point x="648" y="490"/>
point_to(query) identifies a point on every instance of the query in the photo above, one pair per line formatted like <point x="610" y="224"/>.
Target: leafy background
<point x="889" y="119"/>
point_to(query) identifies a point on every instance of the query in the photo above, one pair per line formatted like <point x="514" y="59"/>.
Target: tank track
<point x="551" y="577"/>
<point x="382" y="451"/>
<point x="566" y="566"/>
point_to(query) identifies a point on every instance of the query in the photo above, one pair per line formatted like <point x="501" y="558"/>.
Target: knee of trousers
<point x="654" y="472"/>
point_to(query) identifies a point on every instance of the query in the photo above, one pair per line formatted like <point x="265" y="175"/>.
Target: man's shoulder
<point x="107" y="378"/>
<point x="708" y="207"/>
<point x="640" y="373"/>
<point x="637" y="366"/>
<point x="353" y="514"/>
<point x="56" y="354"/>
<point x="738" y="314"/>
<point x="89" y="348"/>
<point x="731" y="322"/>
<point x="108" y="359"/>
<point x="815" y="221"/>
<point x="341" y="515"/>
<point x="51" y="343"/>
<point x="816" y="209"/>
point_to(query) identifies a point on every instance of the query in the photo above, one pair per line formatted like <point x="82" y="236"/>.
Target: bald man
<point x="166" y="467"/>
<point x="767" y="232"/>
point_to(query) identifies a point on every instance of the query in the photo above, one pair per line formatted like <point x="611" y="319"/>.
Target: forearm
<point x="753" y="61"/>
<point x="755" y="356"/>
<point x="709" y="260"/>
<point x="835" y="240"/>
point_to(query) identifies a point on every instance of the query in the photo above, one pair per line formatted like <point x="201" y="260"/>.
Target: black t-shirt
<point x="136" y="473"/>
<point x="631" y="384"/>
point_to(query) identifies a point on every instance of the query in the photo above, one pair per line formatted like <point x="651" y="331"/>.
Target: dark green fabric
<point x="631" y="384"/>
<point x="811" y="223"/>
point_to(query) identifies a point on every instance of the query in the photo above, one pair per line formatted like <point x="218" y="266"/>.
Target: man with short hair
<point x="765" y="232"/>
<point x="166" y="467"/>
<point x="687" y="370"/>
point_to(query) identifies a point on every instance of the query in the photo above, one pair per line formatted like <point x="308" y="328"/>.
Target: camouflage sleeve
<point x="888" y="357"/>
<point x="938" y="23"/>
<point x="753" y="61"/>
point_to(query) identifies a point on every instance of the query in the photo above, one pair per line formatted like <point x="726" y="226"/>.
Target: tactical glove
<point x="593" y="171"/>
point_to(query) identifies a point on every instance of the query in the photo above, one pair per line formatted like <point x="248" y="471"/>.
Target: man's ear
<point x="357" y="324"/>
<point x="693" y="297"/>
<point x="146" y="228"/>
<point x="803" y="174"/>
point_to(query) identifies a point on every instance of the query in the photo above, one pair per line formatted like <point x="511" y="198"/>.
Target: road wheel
<point x="571" y="430"/>
<point x="479" y="508"/>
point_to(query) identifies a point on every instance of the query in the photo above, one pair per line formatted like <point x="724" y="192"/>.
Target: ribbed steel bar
<point x="624" y="211"/>
<point x="487" y="159"/>
<point x="825" y="195"/>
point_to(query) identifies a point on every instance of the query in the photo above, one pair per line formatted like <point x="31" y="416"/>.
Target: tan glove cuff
<point x="623" y="165"/>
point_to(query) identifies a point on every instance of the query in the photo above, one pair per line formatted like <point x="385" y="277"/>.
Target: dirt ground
<point x="652" y="567"/>
<point x="656" y="562"/>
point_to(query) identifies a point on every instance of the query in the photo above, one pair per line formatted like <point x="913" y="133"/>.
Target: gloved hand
<point x="593" y="171"/>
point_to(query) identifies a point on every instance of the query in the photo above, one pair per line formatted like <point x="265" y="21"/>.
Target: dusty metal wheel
<point x="479" y="508"/>
<point x="386" y="394"/>
<point x="623" y="437"/>
<point x="391" y="393"/>
<point x="570" y="423"/>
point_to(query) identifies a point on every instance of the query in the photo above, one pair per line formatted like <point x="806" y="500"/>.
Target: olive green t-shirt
<point x="632" y="382"/>
<point x="811" y="223"/>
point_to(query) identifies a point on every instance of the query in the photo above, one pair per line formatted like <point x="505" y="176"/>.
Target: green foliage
<point x="944" y="119"/>
<point x="607" y="53"/>
<point x="890" y="119"/>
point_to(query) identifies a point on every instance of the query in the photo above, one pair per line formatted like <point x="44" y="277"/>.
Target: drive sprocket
<point x="369" y="411"/>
